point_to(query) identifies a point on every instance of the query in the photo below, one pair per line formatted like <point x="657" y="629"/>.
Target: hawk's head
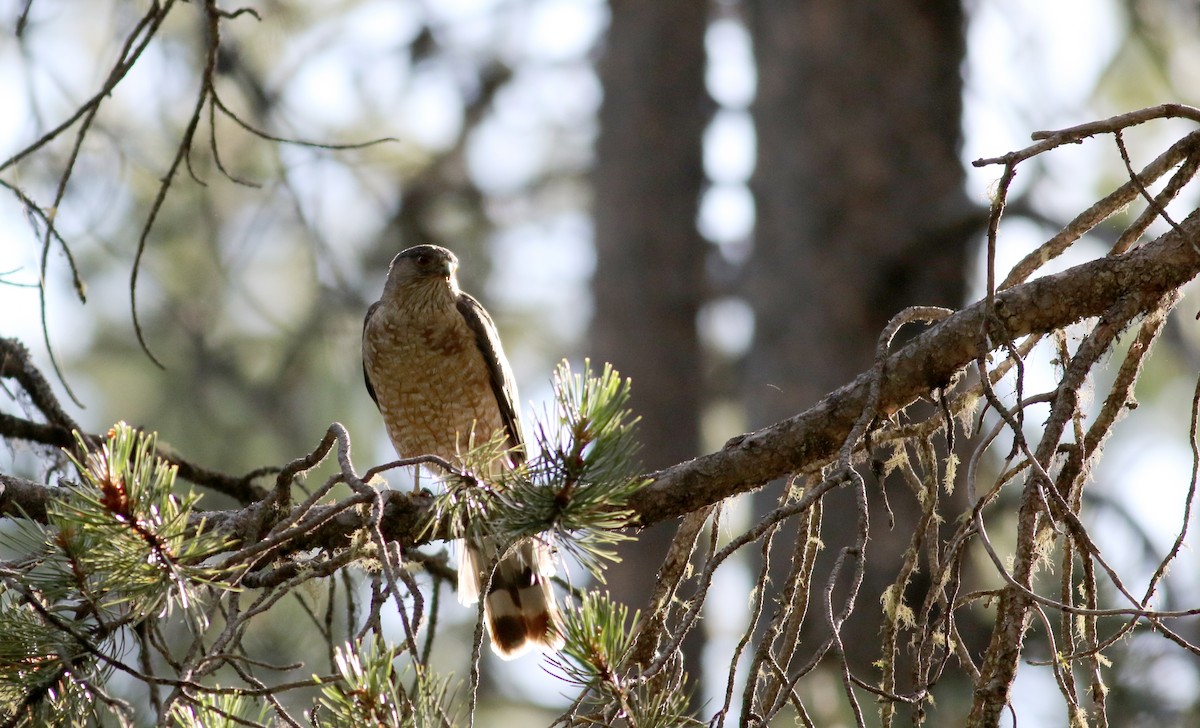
<point x="422" y="269"/>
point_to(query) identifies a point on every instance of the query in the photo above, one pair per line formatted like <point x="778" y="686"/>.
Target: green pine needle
<point x="221" y="710"/>
<point x="371" y="692"/>
<point x="32" y="654"/>
<point x="117" y="550"/>
<point x="573" y="494"/>
<point x="598" y="636"/>
<point x="127" y="534"/>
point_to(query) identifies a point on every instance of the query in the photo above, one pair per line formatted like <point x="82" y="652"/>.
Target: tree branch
<point x="24" y="498"/>
<point x="929" y="361"/>
<point x="803" y="442"/>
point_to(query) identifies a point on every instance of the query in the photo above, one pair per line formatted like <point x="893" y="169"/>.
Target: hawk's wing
<point x="504" y="386"/>
<point x="367" y="377"/>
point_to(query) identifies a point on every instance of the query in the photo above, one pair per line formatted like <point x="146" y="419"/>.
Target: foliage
<point x="573" y="492"/>
<point x="370" y="693"/>
<point x="118" y="549"/>
<point x="599" y="637"/>
<point x="219" y="710"/>
<point x="122" y="555"/>
<point x="125" y="526"/>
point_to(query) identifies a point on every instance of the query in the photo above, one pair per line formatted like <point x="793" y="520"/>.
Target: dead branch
<point x="813" y="437"/>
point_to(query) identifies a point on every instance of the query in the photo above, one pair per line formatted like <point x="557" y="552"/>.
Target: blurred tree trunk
<point x="861" y="213"/>
<point x="649" y="280"/>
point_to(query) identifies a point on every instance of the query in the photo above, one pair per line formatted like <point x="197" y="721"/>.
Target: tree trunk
<point x="649" y="280"/>
<point x="861" y="213"/>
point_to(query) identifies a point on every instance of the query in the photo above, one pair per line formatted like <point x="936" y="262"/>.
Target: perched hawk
<point x="433" y="364"/>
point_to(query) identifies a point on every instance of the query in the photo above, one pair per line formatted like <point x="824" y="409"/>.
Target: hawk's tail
<point x="519" y="609"/>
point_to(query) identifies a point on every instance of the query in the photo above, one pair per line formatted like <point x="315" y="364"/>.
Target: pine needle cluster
<point x="371" y="692"/>
<point x="572" y="494"/>
<point x="219" y="710"/>
<point x="599" y="636"/>
<point x="116" y="551"/>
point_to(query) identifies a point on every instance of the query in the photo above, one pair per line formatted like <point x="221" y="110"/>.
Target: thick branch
<point x="20" y="497"/>
<point x="814" y="437"/>
<point x="928" y="361"/>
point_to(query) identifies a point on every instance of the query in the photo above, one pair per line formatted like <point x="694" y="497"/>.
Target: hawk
<point x="434" y="366"/>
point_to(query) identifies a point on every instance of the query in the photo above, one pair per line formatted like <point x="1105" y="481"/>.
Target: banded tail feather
<point x="519" y="610"/>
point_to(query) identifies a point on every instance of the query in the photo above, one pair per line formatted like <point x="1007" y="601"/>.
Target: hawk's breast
<point x="431" y="381"/>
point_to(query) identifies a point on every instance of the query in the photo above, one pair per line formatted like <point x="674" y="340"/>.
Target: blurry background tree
<point x="844" y="237"/>
<point x="651" y="262"/>
<point x="730" y="310"/>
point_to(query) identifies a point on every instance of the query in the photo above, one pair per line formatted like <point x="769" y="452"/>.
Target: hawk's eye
<point x="423" y="260"/>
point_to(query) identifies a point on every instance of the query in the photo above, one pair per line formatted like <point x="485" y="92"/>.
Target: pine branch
<point x="812" y="438"/>
<point x="371" y="692"/>
<point x="801" y="443"/>
<point x="809" y="439"/>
